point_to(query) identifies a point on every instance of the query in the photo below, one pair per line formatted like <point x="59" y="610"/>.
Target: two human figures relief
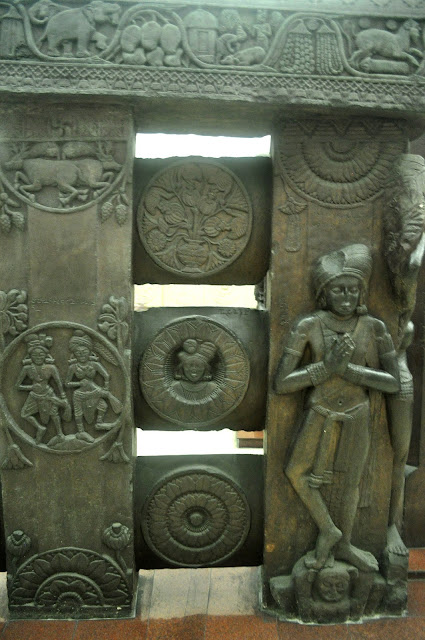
<point x="47" y="402"/>
<point x="351" y="362"/>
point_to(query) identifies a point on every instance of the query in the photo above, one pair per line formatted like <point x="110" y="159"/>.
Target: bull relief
<point x="351" y="362"/>
<point x="59" y="164"/>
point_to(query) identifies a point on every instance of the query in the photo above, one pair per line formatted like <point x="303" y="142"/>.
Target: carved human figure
<point x="90" y="399"/>
<point x="37" y="376"/>
<point x="193" y="373"/>
<point x="352" y="354"/>
<point x="262" y="30"/>
<point x="400" y="415"/>
<point x="404" y="237"/>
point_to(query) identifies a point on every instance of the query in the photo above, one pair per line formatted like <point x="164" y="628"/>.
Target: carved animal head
<point x="413" y="28"/>
<point x="42" y="11"/>
<point x="101" y="12"/>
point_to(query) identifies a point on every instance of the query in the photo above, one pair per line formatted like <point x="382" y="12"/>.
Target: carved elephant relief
<point x="79" y="26"/>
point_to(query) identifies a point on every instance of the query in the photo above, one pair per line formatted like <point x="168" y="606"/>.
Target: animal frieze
<point x="284" y="41"/>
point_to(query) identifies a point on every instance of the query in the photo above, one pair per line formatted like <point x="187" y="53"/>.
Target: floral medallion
<point x="195" y="218"/>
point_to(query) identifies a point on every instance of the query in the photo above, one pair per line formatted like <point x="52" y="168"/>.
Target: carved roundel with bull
<point x="194" y="372"/>
<point x="196" y="517"/>
<point x="195" y="218"/>
<point x="62" y="175"/>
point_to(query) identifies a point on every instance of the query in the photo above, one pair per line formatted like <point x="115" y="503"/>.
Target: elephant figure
<point x="79" y="26"/>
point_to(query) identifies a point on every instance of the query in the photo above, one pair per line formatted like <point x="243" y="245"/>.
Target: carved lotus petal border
<point x="67" y="579"/>
<point x="196" y="517"/>
<point x="340" y="164"/>
<point x="224" y="393"/>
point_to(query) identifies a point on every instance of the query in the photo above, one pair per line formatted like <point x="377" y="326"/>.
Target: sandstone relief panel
<point x="195" y="218"/>
<point x="63" y="388"/>
<point x="281" y="41"/>
<point x="194" y="372"/>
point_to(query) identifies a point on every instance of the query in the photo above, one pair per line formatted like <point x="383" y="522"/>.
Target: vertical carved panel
<point x="331" y="175"/>
<point x="65" y="401"/>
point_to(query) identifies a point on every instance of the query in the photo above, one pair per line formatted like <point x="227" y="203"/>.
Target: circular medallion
<point x="62" y="176"/>
<point x="63" y="387"/>
<point x="194" y="372"/>
<point x="195" y="218"/>
<point x="195" y="518"/>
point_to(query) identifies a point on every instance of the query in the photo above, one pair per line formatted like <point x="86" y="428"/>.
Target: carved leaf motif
<point x="61" y="563"/>
<point x="110" y="582"/>
<point x="13" y="313"/>
<point x="81" y="562"/>
<point x="116" y="454"/>
<point x="238" y="229"/>
<point x="5" y="223"/>
<point x="97" y="569"/>
<point x="29" y="578"/>
<point x="15" y="459"/>
<point x="18" y="220"/>
<point x="213" y="227"/>
<point x="173" y="213"/>
<point x="292" y="206"/>
<point x="121" y="214"/>
<point x="106" y="210"/>
<point x="42" y="568"/>
<point x="112" y="320"/>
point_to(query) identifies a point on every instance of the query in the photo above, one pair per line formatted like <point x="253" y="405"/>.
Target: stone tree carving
<point x="195" y="218"/>
<point x="352" y="359"/>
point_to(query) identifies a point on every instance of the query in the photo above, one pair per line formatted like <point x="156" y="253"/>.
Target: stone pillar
<point x="66" y="408"/>
<point x="329" y="192"/>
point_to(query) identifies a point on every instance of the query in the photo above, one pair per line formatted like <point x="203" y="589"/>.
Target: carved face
<point x="332" y="586"/>
<point x="194" y="369"/>
<point x="38" y="355"/>
<point x="342" y="295"/>
<point x="81" y="353"/>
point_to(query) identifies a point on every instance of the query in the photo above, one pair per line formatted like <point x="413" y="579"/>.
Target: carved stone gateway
<point x="330" y="229"/>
